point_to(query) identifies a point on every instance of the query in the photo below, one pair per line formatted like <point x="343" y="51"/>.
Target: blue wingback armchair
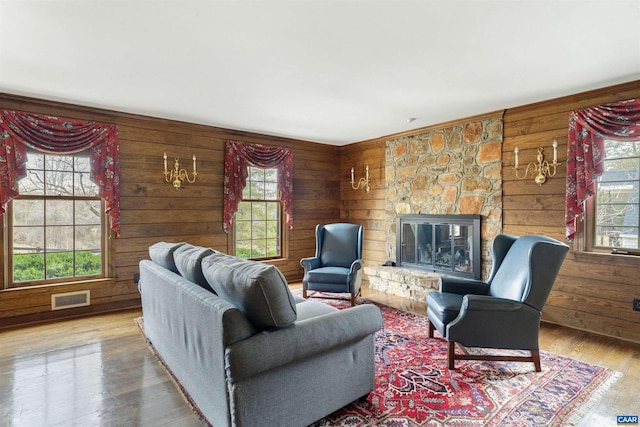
<point x="337" y="265"/>
<point x="505" y="311"/>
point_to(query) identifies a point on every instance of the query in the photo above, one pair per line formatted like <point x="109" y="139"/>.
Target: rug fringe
<point x="598" y="394"/>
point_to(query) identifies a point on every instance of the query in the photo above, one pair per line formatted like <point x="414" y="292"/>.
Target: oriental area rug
<point x="414" y="388"/>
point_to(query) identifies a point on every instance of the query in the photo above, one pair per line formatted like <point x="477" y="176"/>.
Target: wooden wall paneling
<point x="360" y="207"/>
<point x="152" y="211"/>
<point x="592" y="292"/>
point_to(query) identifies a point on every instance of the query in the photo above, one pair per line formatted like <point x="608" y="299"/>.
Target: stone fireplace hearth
<point x="442" y="171"/>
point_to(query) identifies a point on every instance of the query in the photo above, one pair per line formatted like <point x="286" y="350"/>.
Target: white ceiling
<point x="334" y="72"/>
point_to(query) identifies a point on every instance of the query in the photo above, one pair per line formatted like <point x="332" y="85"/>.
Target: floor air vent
<point x="70" y="300"/>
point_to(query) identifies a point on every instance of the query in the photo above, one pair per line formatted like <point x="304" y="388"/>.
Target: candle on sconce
<point x="165" y="161"/>
<point x="352" y="175"/>
<point x="555" y="151"/>
<point x="194" y="163"/>
<point x="367" y="172"/>
<point x="516" y="152"/>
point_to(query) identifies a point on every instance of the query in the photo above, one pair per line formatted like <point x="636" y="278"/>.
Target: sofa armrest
<point x="304" y="339"/>
<point x="455" y="285"/>
<point x="310" y="263"/>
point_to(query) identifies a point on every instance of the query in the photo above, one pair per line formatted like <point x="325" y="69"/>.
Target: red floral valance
<point x="588" y="128"/>
<point x="238" y="157"/>
<point x="54" y="135"/>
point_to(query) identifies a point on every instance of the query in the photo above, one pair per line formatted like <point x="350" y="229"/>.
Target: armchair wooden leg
<point x="304" y="293"/>
<point x="451" y="355"/>
<point x="431" y="329"/>
<point x="354" y="296"/>
<point x="535" y="355"/>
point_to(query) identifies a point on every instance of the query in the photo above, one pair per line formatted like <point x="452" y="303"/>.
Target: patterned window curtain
<point x="588" y="129"/>
<point x="238" y="157"/>
<point x="54" y="135"/>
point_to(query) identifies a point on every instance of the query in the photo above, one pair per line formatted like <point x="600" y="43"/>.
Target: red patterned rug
<point x="414" y="387"/>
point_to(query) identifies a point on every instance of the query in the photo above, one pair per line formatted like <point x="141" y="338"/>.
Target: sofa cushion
<point x="188" y="259"/>
<point x="260" y="291"/>
<point x="162" y="254"/>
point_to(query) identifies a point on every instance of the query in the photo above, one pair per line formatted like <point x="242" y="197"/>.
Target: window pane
<point x="617" y="149"/>
<point x="59" y="264"/>
<point x="243" y="230"/>
<point x="259" y="230"/>
<point x="244" y="211"/>
<point x="271" y="175"/>
<point x="256" y="174"/>
<point x="58" y="183"/>
<point x="256" y="190"/>
<point x="88" y="211"/>
<point x="258" y="249"/>
<point x="271" y="191"/>
<point x="243" y="248"/>
<point x="258" y="211"/>
<point x="273" y="211"/>
<point x="620" y="170"/>
<point x="272" y="247"/>
<point x="273" y="229"/>
<point x="88" y="263"/>
<point x="28" y="267"/>
<point x="35" y="160"/>
<point x="82" y="163"/>
<point x="616" y="237"/>
<point x="88" y="237"/>
<point x="28" y="212"/>
<point x="59" y="238"/>
<point x="28" y="240"/>
<point x="83" y="186"/>
<point x="59" y="163"/>
<point x="32" y="184"/>
<point x="59" y="212"/>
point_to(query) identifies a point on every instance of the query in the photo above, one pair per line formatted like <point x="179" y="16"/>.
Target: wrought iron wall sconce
<point x="362" y="182"/>
<point x="540" y="169"/>
<point x="177" y="176"/>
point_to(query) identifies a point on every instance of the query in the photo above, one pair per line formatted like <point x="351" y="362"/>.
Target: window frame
<point x="587" y="235"/>
<point x="282" y="229"/>
<point x="8" y="230"/>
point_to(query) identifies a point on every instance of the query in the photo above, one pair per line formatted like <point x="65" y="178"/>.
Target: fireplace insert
<point x="447" y="244"/>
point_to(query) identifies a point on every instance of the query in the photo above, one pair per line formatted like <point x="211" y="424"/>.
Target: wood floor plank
<point x="99" y="371"/>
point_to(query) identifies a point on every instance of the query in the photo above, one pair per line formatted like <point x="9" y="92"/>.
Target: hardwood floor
<point x="99" y="371"/>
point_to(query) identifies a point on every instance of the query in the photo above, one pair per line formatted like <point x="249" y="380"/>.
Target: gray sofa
<point x="247" y="351"/>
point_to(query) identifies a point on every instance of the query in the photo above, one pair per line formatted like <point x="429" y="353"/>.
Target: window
<point x="616" y="210"/>
<point x="56" y="226"/>
<point x="258" y="221"/>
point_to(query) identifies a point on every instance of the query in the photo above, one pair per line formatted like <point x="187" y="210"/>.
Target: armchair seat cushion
<point x="337" y="275"/>
<point x="444" y="305"/>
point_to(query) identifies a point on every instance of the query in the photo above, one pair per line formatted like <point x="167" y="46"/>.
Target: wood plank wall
<point x="152" y="211"/>
<point x="593" y="292"/>
<point x="360" y="207"/>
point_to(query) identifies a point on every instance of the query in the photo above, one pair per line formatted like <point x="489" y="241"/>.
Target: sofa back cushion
<point x="260" y="291"/>
<point x="188" y="259"/>
<point x="162" y="254"/>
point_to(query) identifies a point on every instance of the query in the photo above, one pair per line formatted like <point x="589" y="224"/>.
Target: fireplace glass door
<point x="442" y="244"/>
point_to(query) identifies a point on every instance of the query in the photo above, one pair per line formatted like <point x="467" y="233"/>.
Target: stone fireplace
<point x="455" y="170"/>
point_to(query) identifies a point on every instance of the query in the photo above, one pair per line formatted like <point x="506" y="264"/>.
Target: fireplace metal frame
<point x="441" y="220"/>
